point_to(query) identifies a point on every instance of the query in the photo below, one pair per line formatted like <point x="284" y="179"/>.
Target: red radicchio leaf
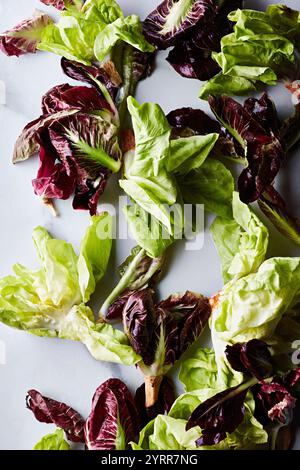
<point x="187" y="315"/>
<point x="252" y="358"/>
<point x="63" y="416"/>
<point x="166" y="25"/>
<point x="113" y="414"/>
<point x="274" y="403"/>
<point x="90" y="75"/>
<point x="263" y="149"/>
<point x="275" y="208"/>
<point x="139" y="323"/>
<point x="219" y="415"/>
<point x="55" y="179"/>
<point x="292" y="379"/>
<point x="59" y="4"/>
<point x="166" y="398"/>
<point x="25" y="36"/>
<point x="28" y="142"/>
<point x="186" y="120"/>
<point x="194" y="119"/>
<point x="116" y="308"/>
<point x="192" y="62"/>
<point x="63" y="97"/>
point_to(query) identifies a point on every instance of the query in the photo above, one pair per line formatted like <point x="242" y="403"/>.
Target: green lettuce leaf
<point x="226" y="84"/>
<point x="154" y="173"/>
<point x="261" y="49"/>
<point x="128" y="30"/>
<point x="92" y="262"/>
<point x="90" y="34"/>
<point x="211" y="184"/>
<point x="199" y="371"/>
<point x="189" y="153"/>
<point x="54" y="441"/>
<point x="252" y="307"/>
<point x="241" y="242"/>
<point x="150" y="234"/>
<point x="168" y="432"/>
<point x="50" y="301"/>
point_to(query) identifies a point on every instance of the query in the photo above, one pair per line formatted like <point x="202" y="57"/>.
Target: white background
<point x="62" y="369"/>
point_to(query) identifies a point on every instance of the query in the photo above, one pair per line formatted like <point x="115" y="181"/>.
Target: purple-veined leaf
<point x="113" y="421"/>
<point x="252" y="358"/>
<point x="63" y="416"/>
<point x="275" y="209"/>
<point x="263" y="148"/>
<point x="99" y="77"/>
<point x="139" y="323"/>
<point x="274" y="403"/>
<point x="220" y="415"/>
<point x="63" y="97"/>
<point x="192" y="62"/>
<point x="25" y="36"/>
<point x="62" y="4"/>
<point x="189" y="312"/>
<point x="137" y="272"/>
<point x="172" y="20"/>
<point x="28" y="143"/>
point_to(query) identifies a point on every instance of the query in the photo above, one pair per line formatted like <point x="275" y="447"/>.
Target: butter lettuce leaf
<point x="90" y="33"/>
<point x="260" y="50"/>
<point x="53" y="441"/>
<point x="241" y="242"/>
<point x="50" y="301"/>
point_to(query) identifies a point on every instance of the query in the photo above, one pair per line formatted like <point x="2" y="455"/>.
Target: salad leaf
<point x="199" y="371"/>
<point x="161" y="333"/>
<point x="138" y="272"/>
<point x="128" y="30"/>
<point x="219" y="415"/>
<point x="241" y="242"/>
<point x="54" y="441"/>
<point x="113" y="420"/>
<point x="274" y="207"/>
<point x="189" y="122"/>
<point x="59" y="4"/>
<point x="254" y="126"/>
<point x="153" y="171"/>
<point x="77" y="138"/>
<point x="172" y="20"/>
<point x="201" y="186"/>
<point x="25" y="36"/>
<point x="63" y="416"/>
<point x="261" y="49"/>
<point x="252" y="358"/>
<point x="195" y="29"/>
<point x="226" y="84"/>
<point x="190" y="153"/>
<point x="92" y="32"/>
<point x="49" y="301"/>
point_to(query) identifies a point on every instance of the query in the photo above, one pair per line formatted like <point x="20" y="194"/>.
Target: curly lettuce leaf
<point x="241" y="242"/>
<point x="53" y="441"/>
